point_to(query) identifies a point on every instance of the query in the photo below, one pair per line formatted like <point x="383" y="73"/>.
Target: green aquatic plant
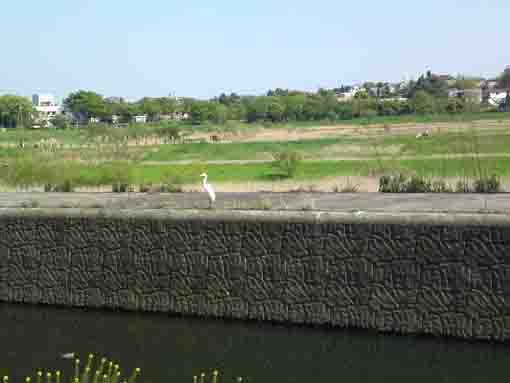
<point x="202" y="378"/>
<point x="106" y="372"/>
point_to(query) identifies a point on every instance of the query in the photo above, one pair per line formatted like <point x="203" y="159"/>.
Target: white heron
<point x="69" y="355"/>
<point x="209" y="189"/>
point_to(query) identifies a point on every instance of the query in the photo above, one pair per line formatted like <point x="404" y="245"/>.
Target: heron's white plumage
<point x="208" y="188"/>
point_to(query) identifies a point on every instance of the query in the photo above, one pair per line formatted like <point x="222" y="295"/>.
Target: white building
<point x="47" y="108"/>
<point x="140" y="119"/>
<point x="496" y="97"/>
<point x="347" y="96"/>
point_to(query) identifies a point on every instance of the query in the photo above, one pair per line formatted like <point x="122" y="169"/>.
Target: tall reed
<point x="106" y="372"/>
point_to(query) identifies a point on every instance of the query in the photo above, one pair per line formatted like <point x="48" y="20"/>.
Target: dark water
<point x="173" y="349"/>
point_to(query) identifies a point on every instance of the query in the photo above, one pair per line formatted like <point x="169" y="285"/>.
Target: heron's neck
<point x="205" y="180"/>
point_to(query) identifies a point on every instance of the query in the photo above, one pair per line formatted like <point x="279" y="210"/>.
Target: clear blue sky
<point x="202" y="48"/>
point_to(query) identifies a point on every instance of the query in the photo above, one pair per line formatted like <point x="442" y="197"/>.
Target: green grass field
<point x="30" y="172"/>
<point x="377" y="154"/>
<point x="408" y="145"/>
<point x="440" y="144"/>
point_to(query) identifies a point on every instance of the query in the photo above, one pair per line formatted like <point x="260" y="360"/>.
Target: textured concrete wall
<point x="425" y="274"/>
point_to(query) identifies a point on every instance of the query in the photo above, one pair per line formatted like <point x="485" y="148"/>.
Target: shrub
<point x="399" y="183"/>
<point x="440" y="186"/>
<point x="490" y="184"/>
<point x="172" y="132"/>
<point x="393" y="184"/>
<point x="174" y="185"/>
<point x="61" y="122"/>
<point x="120" y="188"/>
<point x="417" y="184"/>
<point x="462" y="187"/>
<point x="169" y="188"/>
<point x="287" y="162"/>
<point x="66" y="187"/>
<point x="144" y="188"/>
<point x="348" y="188"/>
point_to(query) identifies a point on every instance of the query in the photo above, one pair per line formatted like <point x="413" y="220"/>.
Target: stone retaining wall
<point x="425" y="273"/>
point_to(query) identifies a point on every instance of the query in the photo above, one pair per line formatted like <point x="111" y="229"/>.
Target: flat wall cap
<point x="261" y="216"/>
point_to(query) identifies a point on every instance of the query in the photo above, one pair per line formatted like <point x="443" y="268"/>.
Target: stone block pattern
<point x="442" y="280"/>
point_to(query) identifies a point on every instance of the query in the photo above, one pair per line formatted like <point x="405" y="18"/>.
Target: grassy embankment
<point x="485" y="142"/>
<point x="28" y="172"/>
<point x="381" y="154"/>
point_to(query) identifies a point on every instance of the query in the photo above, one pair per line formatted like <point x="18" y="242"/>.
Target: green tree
<point x="429" y="83"/>
<point x="152" y="107"/>
<point x="364" y="106"/>
<point x="423" y="103"/>
<point x="16" y="111"/>
<point x="167" y="104"/>
<point x="87" y="103"/>
<point x="201" y="112"/>
<point x="294" y="106"/>
<point x="61" y="122"/>
<point x="257" y="108"/>
<point x="275" y="110"/>
<point x="312" y="108"/>
<point x="237" y="111"/>
<point x="128" y="110"/>
<point x="504" y="83"/>
<point x="218" y="112"/>
<point x="504" y="80"/>
<point x="464" y="82"/>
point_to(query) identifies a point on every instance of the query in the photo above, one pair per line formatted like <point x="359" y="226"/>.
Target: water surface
<point x="170" y="349"/>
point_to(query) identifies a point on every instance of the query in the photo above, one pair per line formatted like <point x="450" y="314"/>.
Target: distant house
<point x="46" y="107"/>
<point x="348" y="94"/>
<point x="493" y="95"/>
<point x="445" y="77"/>
<point x="113" y="119"/>
<point x="165" y="117"/>
<point x="180" y="116"/>
<point x="140" y="119"/>
<point x="473" y="95"/>
<point x="176" y="116"/>
<point x="497" y="97"/>
<point x="454" y="92"/>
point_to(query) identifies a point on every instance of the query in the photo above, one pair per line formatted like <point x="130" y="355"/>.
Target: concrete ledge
<point x="344" y="202"/>
<point x="403" y="218"/>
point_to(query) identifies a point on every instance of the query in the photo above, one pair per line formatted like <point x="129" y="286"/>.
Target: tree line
<point x="426" y="95"/>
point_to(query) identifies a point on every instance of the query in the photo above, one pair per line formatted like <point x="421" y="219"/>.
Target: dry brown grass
<point x="342" y="130"/>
